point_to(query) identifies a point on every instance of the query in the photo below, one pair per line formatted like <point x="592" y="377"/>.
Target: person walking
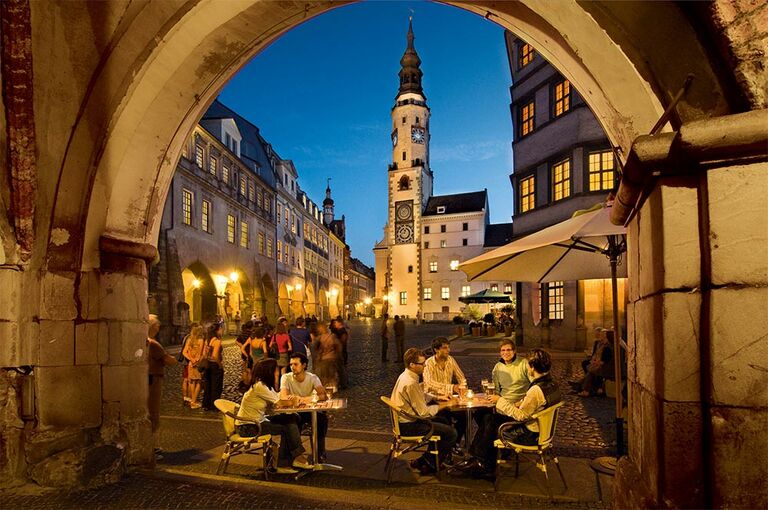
<point x="384" y="338"/>
<point x="399" y="328"/>
<point x="328" y="349"/>
<point x="214" y="374"/>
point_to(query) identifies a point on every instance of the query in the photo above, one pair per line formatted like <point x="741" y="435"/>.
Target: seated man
<point x="440" y="371"/>
<point x="600" y="366"/>
<point x="410" y="397"/>
<point x="510" y="374"/>
<point x="542" y="393"/>
<point x="299" y="382"/>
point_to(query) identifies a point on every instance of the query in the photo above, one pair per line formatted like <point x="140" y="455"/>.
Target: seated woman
<point x="257" y="402"/>
<point x="542" y="393"/>
<point x="600" y="366"/>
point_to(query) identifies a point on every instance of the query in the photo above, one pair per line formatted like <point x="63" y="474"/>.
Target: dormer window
<point x="440" y="209"/>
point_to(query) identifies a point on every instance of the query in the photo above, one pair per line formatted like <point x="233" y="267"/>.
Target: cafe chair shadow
<point x="404" y="444"/>
<point x="547" y="421"/>
<point x="236" y="444"/>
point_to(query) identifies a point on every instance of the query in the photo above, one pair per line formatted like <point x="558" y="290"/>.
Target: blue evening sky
<point x="322" y="94"/>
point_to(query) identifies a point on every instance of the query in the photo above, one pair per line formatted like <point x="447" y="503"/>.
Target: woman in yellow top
<point x="193" y="351"/>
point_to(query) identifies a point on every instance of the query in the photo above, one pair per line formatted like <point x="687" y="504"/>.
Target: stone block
<point x="10" y="282"/>
<point x="740" y="457"/>
<point x="140" y="442"/>
<point x="10" y="350"/>
<point x="68" y="396"/>
<point x="127" y="385"/>
<point x="57" y="293"/>
<point x="110" y="422"/>
<point x="739" y="321"/>
<point x="89" y="293"/>
<point x="680" y="363"/>
<point x="647" y="450"/>
<point x="123" y="297"/>
<point x="738" y="230"/>
<point x="631" y="343"/>
<point x="649" y="271"/>
<point x="682" y="460"/>
<point x="648" y="342"/>
<point x="46" y="443"/>
<point x="127" y="342"/>
<point x="83" y="467"/>
<point x="87" y="343"/>
<point x="56" y="343"/>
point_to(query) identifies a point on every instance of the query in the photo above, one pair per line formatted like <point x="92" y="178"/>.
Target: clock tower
<point x="410" y="186"/>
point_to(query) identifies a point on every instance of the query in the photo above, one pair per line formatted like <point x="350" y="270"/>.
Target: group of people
<point x="523" y="387"/>
<point x="398" y="327"/>
<point x="599" y="366"/>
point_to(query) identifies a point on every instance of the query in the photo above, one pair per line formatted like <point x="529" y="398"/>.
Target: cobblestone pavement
<point x="585" y="429"/>
<point x="145" y="491"/>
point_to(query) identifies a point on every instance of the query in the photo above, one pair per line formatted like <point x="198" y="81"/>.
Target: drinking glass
<point x="462" y="390"/>
<point x="330" y="390"/>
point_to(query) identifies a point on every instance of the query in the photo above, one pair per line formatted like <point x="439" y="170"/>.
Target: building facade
<point x="563" y="163"/>
<point x="426" y="236"/>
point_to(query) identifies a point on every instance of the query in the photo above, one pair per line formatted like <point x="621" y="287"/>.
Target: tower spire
<point x="410" y="72"/>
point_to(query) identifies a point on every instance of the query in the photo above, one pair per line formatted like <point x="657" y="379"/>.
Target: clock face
<point x="404" y="234"/>
<point x="394" y="138"/>
<point x="417" y="135"/>
<point x="403" y="212"/>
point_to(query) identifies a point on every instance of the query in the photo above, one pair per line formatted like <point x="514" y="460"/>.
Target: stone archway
<point x="283" y="300"/>
<point x="310" y="300"/>
<point x="270" y="298"/>
<point x="199" y="292"/>
<point x="117" y="106"/>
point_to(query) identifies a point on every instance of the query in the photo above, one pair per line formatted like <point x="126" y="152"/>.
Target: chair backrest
<point x="227" y="406"/>
<point x="547" y="420"/>
<point x="394" y="412"/>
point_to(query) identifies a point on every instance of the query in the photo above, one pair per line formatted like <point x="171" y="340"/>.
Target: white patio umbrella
<point x="583" y="247"/>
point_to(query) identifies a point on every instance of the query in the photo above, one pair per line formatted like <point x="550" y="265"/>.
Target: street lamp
<point x="234" y="276"/>
<point x="197" y="283"/>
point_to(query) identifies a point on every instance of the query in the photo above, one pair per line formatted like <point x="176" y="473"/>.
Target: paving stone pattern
<point x="586" y="426"/>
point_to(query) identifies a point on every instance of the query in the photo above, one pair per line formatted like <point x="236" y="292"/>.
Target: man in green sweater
<point x="510" y="374"/>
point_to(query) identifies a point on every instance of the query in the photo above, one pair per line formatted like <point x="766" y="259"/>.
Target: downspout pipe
<point x="741" y="136"/>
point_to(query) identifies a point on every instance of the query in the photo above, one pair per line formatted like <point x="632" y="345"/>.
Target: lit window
<point x="465" y="290"/>
<point x="601" y="170"/>
<point x="242" y="186"/>
<point x="251" y="191"/>
<point x="225" y="173"/>
<point x="261" y="243"/>
<point x="562" y="97"/>
<point x="212" y="165"/>
<point x="525" y="55"/>
<point x="279" y="250"/>
<point x="433" y="267"/>
<point x="403" y="298"/>
<point x="244" y="234"/>
<point x="555" y="300"/>
<point x="495" y="287"/>
<point x="205" y="219"/>
<point x="561" y="180"/>
<point x="445" y="292"/>
<point x="428" y="294"/>
<point x="527" y="193"/>
<point x="230" y="229"/>
<point x="186" y="207"/>
<point x="258" y="198"/>
<point x="278" y="213"/>
<point x="507" y="288"/>
<point x="526" y="118"/>
<point x="269" y="247"/>
<point x="287" y="216"/>
<point x="199" y="155"/>
<point x="443" y="243"/>
<point x="454" y="265"/>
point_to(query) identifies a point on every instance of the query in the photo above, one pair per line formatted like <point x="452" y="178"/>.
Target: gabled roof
<point x="498" y="234"/>
<point x="459" y="203"/>
<point x="252" y="147"/>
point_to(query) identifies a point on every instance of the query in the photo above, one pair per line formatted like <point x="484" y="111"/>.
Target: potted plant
<point x="490" y="324"/>
<point x="459" y="322"/>
<point x="475" y="328"/>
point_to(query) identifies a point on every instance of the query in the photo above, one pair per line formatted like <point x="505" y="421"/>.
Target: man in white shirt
<point x="440" y="372"/>
<point x="299" y="382"/>
<point x="409" y="395"/>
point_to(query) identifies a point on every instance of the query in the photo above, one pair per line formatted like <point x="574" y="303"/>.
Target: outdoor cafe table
<point x="333" y="404"/>
<point x="468" y="405"/>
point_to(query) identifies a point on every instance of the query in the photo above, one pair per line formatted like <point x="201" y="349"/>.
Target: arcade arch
<point x="199" y="292"/>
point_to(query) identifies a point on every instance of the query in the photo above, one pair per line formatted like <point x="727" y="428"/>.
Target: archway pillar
<point x="698" y="284"/>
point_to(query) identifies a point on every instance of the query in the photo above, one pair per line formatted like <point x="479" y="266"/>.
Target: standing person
<point x="193" y="352"/>
<point x="328" y="349"/>
<point x="261" y="399"/>
<point x="399" y="328"/>
<point x="300" y="338"/>
<point x="245" y="354"/>
<point x="282" y="340"/>
<point x="184" y="370"/>
<point x="214" y="374"/>
<point x="440" y="372"/>
<point x="384" y="338"/>
<point x="542" y="393"/>
<point x="410" y="397"/>
<point x="158" y="359"/>
<point x="338" y="329"/>
<point x="257" y="345"/>
<point x="302" y="383"/>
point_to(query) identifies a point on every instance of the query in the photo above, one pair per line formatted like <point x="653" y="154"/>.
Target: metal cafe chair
<point x="547" y="420"/>
<point x="403" y="444"/>
<point x="237" y="444"/>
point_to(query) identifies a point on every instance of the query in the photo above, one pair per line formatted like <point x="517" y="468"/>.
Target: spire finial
<point x="328" y="185"/>
<point x="410" y="73"/>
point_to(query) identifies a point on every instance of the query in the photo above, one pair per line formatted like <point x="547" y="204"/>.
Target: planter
<point x="476" y="331"/>
<point x="491" y="330"/>
<point x="508" y="330"/>
<point x="459" y="331"/>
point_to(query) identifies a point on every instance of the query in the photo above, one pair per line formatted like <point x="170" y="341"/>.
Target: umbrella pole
<point x="614" y="259"/>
